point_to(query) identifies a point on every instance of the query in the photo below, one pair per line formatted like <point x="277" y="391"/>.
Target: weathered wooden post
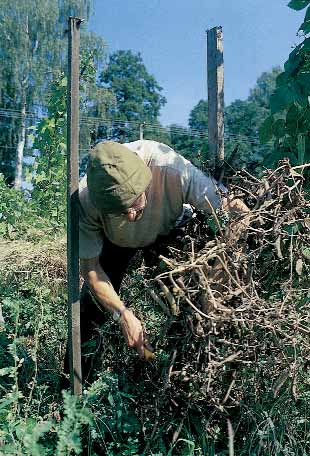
<point x="215" y="61"/>
<point x="74" y="335"/>
<point x="141" y="131"/>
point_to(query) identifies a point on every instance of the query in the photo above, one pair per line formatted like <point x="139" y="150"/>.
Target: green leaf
<point x="300" y="93"/>
<point x="306" y="44"/>
<point x="272" y="159"/>
<point x="282" y="79"/>
<point x="63" y="82"/>
<point x="301" y="148"/>
<point x="304" y="121"/>
<point x="293" y="228"/>
<point x="289" y="143"/>
<point x="6" y="371"/>
<point x="305" y="26"/>
<point x="306" y="253"/>
<point x="293" y="62"/>
<point x="40" y="177"/>
<point x="307" y="16"/>
<point x="281" y="98"/>
<point x="266" y="130"/>
<point x="279" y="128"/>
<point x="298" y="5"/>
<point x="303" y="80"/>
<point x="9" y="399"/>
<point x="292" y="117"/>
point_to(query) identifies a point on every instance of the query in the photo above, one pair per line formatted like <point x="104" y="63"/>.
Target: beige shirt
<point x="175" y="181"/>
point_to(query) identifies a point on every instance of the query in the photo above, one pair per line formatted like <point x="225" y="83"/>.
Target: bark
<point x="2" y="322"/>
<point x="20" y="149"/>
<point x="22" y="133"/>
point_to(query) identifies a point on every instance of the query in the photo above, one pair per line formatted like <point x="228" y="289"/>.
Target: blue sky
<point x="170" y="35"/>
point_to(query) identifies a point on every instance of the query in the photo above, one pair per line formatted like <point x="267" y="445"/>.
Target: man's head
<point x="116" y="178"/>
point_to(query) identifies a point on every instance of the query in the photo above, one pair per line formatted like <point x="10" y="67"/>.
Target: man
<point x="132" y="194"/>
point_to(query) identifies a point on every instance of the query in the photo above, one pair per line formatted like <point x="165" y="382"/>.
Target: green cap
<point x="116" y="176"/>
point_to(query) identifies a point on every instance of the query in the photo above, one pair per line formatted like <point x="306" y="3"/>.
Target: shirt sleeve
<point x="90" y="233"/>
<point x="199" y="190"/>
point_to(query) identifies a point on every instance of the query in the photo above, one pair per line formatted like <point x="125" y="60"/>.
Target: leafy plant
<point x="288" y="125"/>
<point x="16" y="212"/>
<point x="48" y="175"/>
<point x="49" y="139"/>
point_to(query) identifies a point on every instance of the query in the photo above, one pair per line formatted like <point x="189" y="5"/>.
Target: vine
<point x="289" y="122"/>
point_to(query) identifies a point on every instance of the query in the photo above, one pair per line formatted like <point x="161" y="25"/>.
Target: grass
<point x="159" y="408"/>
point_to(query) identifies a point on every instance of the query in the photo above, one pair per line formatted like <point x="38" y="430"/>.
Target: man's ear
<point x="131" y="215"/>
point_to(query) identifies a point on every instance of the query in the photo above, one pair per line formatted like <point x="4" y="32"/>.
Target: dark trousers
<point x="114" y="261"/>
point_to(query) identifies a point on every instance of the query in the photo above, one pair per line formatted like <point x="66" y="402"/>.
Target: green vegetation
<point x="288" y="123"/>
<point x="127" y="399"/>
<point x="138" y="95"/>
<point x="131" y="407"/>
<point x="243" y="119"/>
<point x="33" y="52"/>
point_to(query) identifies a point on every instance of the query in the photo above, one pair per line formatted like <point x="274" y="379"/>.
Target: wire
<point x="94" y="120"/>
<point x="148" y="127"/>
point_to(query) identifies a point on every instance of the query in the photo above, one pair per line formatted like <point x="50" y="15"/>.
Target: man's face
<point x="135" y="212"/>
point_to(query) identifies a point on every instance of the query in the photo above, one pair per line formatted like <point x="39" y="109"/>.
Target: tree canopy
<point x="243" y="119"/>
<point x="138" y="95"/>
<point x="33" y="52"/>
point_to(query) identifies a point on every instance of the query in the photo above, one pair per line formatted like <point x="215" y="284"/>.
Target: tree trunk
<point x="20" y="149"/>
<point x="22" y="133"/>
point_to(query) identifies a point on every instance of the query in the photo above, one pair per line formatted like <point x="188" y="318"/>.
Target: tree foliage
<point x="198" y="118"/>
<point x="27" y="59"/>
<point x="138" y="95"/>
<point x="288" y="124"/>
<point x="33" y="52"/>
<point x="242" y="121"/>
<point x="264" y="87"/>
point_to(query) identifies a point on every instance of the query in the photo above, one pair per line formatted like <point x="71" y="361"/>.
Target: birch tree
<point x="33" y="51"/>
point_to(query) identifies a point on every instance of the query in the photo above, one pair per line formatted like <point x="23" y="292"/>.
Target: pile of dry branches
<point x="239" y="307"/>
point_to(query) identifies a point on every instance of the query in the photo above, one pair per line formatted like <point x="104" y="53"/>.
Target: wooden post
<point x="142" y="125"/>
<point x="74" y="334"/>
<point x="215" y="60"/>
<point x="141" y="132"/>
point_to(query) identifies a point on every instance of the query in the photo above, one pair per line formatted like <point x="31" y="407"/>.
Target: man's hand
<point x="235" y="207"/>
<point x="238" y="210"/>
<point x="104" y="292"/>
<point x="133" y="331"/>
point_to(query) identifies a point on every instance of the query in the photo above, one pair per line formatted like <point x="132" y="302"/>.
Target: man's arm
<point x="103" y="290"/>
<point x="203" y="192"/>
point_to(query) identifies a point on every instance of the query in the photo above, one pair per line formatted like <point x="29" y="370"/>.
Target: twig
<point x="229" y="390"/>
<point x="159" y="301"/>
<point x="169" y="296"/>
<point x="214" y="215"/>
<point x="189" y="302"/>
<point x="147" y="446"/>
<point x="305" y="165"/>
<point x="174" y="354"/>
<point x="177" y="432"/>
<point x="228" y="359"/>
<point x="232" y="278"/>
<point x="230" y="438"/>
